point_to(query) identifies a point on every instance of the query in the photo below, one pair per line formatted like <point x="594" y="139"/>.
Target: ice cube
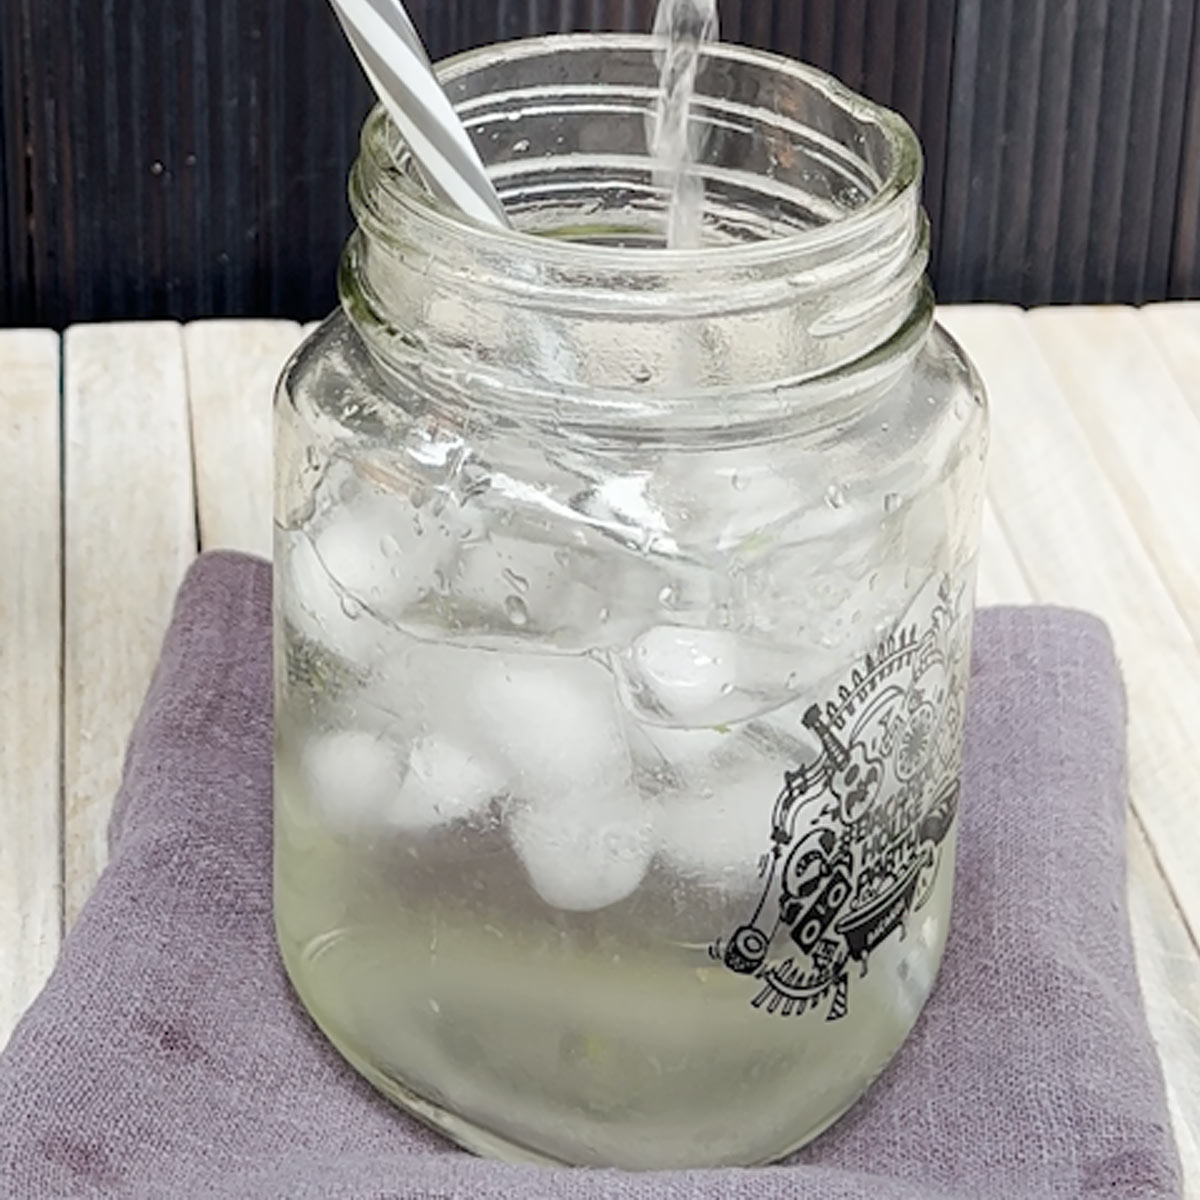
<point x="352" y="778"/>
<point x="555" y="721"/>
<point x="584" y="850"/>
<point x="718" y="829"/>
<point x="383" y="553"/>
<point x="681" y="675"/>
<point x="314" y="605"/>
<point x="446" y="782"/>
<point x="512" y="584"/>
<point x="704" y="678"/>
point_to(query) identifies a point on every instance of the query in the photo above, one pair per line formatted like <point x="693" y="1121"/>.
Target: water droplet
<point x="605" y="614"/>
<point x="518" y="614"/>
<point x="667" y="597"/>
<point x="521" y="146"/>
<point x="435" y="1008"/>
<point x="892" y="502"/>
<point x="352" y="608"/>
<point x="835" y="497"/>
<point x="514" y="580"/>
<point x="793" y="681"/>
<point x="727" y="689"/>
<point x="884" y="428"/>
<point x="312" y="459"/>
<point x="389" y="546"/>
<point x="642" y="374"/>
<point x="562" y="558"/>
<point x="441" y="582"/>
<point x="740" y="482"/>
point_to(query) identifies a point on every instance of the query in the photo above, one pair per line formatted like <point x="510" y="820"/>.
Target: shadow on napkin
<point x="168" y="1057"/>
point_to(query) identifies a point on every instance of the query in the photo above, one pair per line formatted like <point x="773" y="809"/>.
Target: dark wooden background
<point x="188" y="157"/>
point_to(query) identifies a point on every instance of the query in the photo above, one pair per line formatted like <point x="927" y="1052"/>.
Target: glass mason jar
<point x="624" y="599"/>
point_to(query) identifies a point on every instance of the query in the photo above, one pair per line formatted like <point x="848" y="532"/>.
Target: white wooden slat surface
<point x="30" y="669"/>
<point x="1078" y="546"/>
<point x="1141" y="428"/>
<point x="1175" y="331"/>
<point x="1087" y="509"/>
<point x="130" y="533"/>
<point x="1167" y="959"/>
<point x="232" y="369"/>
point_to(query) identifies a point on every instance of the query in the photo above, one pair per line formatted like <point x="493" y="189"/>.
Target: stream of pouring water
<point x="686" y="25"/>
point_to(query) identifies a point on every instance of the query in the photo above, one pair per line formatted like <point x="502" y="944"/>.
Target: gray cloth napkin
<point x="168" y="1057"/>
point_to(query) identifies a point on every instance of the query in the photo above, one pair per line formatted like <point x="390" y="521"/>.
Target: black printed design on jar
<point x="859" y="833"/>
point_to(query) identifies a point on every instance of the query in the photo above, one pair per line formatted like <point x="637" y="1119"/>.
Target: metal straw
<point x="394" y="59"/>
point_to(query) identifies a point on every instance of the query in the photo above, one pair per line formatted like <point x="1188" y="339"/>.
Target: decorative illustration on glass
<point x="858" y="834"/>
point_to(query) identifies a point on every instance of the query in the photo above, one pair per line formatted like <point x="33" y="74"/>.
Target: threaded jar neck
<point x="812" y="262"/>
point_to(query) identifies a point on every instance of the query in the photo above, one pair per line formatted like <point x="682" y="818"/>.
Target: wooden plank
<point x="1175" y="331"/>
<point x="1170" y="972"/>
<point x="130" y="535"/>
<point x="1167" y="959"/>
<point x="1141" y="429"/>
<point x="30" y="669"/>
<point x="1078" y="546"/>
<point x="1001" y="579"/>
<point x="232" y="370"/>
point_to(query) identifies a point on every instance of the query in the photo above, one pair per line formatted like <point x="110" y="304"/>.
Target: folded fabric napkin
<point x="168" y="1057"/>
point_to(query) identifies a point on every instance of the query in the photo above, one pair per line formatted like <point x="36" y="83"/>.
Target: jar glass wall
<point x="623" y="620"/>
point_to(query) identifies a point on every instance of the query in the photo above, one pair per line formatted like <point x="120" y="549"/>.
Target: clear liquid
<point x="507" y="877"/>
<point x="687" y="25"/>
<point x="591" y="1038"/>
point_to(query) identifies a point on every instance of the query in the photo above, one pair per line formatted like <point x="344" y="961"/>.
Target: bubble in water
<point x="517" y="581"/>
<point x="835" y="496"/>
<point x="517" y="611"/>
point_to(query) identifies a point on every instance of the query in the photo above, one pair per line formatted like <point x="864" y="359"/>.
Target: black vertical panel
<point x="189" y="157"/>
<point x="1044" y="200"/>
<point x="1152" y="174"/>
<point x="1185" y="249"/>
<point x="964" y="185"/>
<point x="1082" y="151"/>
<point x="13" y="283"/>
<point x="1096" y="274"/>
<point x="1006" y="265"/>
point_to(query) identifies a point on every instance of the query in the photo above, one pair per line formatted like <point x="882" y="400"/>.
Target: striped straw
<point x="394" y="59"/>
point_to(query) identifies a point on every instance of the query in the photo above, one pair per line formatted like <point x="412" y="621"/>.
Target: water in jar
<point x="592" y="847"/>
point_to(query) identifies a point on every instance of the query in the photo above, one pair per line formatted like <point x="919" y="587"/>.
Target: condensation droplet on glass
<point x="667" y="597"/>
<point x="352" y="608"/>
<point x="605" y="614"/>
<point x="727" y="689"/>
<point x="642" y="373"/>
<point x="517" y="613"/>
<point x="740" y="482"/>
<point x="312" y="459"/>
<point x="521" y="146"/>
<point x="885" y="428"/>
<point x="793" y="681"/>
<point x="562" y="558"/>
<point x="516" y="581"/>
<point x="835" y="496"/>
<point x="389" y="546"/>
<point x="892" y="502"/>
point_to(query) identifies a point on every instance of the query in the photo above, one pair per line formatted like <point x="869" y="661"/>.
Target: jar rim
<point x="902" y="178"/>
